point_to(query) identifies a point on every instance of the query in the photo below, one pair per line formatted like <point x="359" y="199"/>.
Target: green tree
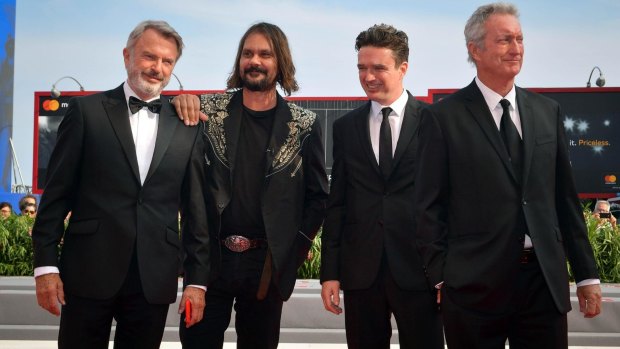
<point x="605" y="241"/>
<point x="16" y="246"/>
<point x="311" y="269"/>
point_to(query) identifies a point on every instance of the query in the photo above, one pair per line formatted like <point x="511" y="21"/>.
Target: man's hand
<point x="196" y="297"/>
<point x="613" y="221"/>
<point x="331" y="296"/>
<point x="188" y="108"/>
<point x="590" y="297"/>
<point x="50" y="292"/>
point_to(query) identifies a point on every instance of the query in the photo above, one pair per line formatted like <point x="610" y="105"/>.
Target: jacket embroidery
<point x="215" y="106"/>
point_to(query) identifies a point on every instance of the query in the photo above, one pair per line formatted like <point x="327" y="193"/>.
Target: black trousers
<point x="532" y="320"/>
<point x="257" y="323"/>
<point x="368" y="313"/>
<point x="86" y="323"/>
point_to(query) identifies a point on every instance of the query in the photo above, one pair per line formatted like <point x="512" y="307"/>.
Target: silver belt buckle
<point x="237" y="243"/>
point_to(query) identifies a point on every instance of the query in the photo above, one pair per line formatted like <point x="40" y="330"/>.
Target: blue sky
<point x="84" y="39"/>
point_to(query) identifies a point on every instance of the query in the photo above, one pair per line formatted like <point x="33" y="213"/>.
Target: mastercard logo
<point x="51" y="105"/>
<point x="610" y="179"/>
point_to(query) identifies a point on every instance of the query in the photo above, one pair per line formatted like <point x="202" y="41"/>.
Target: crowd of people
<point x="412" y="227"/>
<point x="27" y="207"/>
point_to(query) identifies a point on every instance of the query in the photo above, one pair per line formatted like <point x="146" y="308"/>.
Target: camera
<point x="605" y="214"/>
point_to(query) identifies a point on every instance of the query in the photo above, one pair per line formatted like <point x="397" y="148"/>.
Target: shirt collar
<point x="130" y="93"/>
<point x="398" y="106"/>
<point x="492" y="98"/>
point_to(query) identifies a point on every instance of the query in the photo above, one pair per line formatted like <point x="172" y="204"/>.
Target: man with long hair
<point x="267" y="187"/>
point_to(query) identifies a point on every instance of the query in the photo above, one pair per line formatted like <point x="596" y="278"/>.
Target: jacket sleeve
<point x="336" y="211"/>
<point x="316" y="187"/>
<point x="62" y="176"/>
<point x="194" y="216"/>
<point x="570" y="214"/>
<point x="431" y="195"/>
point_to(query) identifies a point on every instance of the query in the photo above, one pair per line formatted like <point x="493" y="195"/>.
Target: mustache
<point x="154" y="75"/>
<point x="255" y="70"/>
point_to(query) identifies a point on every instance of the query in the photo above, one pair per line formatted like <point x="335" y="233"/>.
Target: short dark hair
<point x="284" y="59"/>
<point x="385" y="35"/>
<point x="4" y="204"/>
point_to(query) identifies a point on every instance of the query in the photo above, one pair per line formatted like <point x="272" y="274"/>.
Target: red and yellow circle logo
<point x="51" y="105"/>
<point x="610" y="179"/>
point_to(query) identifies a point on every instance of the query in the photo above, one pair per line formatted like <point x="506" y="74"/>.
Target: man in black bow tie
<point x="121" y="166"/>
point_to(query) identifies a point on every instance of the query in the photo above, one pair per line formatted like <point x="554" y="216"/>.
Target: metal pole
<point x="16" y="162"/>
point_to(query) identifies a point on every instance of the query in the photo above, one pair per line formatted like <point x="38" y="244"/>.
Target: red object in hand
<point x="188" y="310"/>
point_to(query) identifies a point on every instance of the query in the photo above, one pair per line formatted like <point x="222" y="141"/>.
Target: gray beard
<point x="153" y="90"/>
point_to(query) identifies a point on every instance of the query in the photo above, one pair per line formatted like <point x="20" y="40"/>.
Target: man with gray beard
<point x="121" y="165"/>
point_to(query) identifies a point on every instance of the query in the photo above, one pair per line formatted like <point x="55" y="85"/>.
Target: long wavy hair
<point x="279" y="43"/>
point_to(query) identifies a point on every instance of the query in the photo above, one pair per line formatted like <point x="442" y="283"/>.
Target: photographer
<point x="602" y="212"/>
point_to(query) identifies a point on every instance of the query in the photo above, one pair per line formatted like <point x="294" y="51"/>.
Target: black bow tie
<point x="136" y="104"/>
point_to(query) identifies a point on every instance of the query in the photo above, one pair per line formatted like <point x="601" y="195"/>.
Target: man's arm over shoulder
<point x="187" y="107"/>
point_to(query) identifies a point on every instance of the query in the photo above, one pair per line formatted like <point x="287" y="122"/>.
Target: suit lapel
<point x="479" y="110"/>
<point x="232" y="127"/>
<point x="527" y="131"/>
<point x="363" y="131"/>
<point x="407" y="129"/>
<point x="116" y="108"/>
<point x="279" y="132"/>
<point x="167" y="123"/>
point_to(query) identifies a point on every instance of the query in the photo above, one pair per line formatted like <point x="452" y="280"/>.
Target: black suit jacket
<point x="295" y="187"/>
<point x="93" y="172"/>
<point x="472" y="213"/>
<point x="369" y="217"/>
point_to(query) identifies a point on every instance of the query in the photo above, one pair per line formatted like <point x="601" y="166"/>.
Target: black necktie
<point x="385" y="144"/>
<point x="511" y="138"/>
<point x="136" y="104"/>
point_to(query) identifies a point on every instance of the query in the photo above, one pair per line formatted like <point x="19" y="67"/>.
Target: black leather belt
<point x="238" y="243"/>
<point x="528" y="256"/>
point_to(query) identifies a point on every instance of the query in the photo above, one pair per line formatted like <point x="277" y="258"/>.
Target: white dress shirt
<point x="395" y="118"/>
<point x="144" y="129"/>
<point x="492" y="98"/>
